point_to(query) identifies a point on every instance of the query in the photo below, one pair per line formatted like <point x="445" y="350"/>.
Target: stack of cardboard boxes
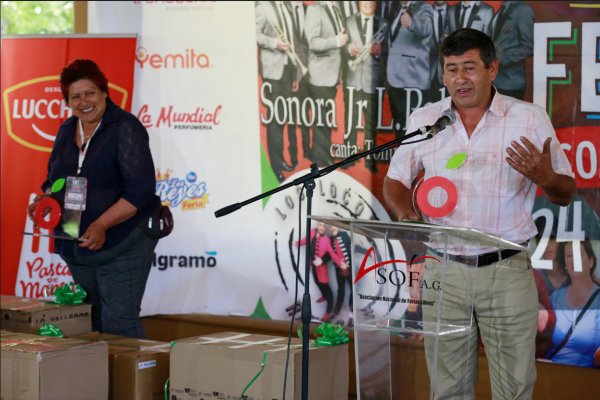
<point x="94" y="366"/>
<point x="86" y="365"/>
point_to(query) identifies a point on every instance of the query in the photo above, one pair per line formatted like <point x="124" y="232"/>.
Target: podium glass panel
<point x="414" y="332"/>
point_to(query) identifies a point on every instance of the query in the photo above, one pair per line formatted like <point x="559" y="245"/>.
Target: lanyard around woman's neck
<point x="84" y="145"/>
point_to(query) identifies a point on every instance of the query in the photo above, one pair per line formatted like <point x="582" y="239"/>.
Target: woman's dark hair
<point x="82" y="69"/>
<point x="589" y="250"/>
<point x="465" y="39"/>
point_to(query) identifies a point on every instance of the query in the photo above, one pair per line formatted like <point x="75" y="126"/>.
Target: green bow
<point x="50" y="330"/>
<point x="328" y="335"/>
<point x="69" y="294"/>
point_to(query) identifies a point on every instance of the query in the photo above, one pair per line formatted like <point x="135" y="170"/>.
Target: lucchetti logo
<point x="34" y="110"/>
<point x="188" y="59"/>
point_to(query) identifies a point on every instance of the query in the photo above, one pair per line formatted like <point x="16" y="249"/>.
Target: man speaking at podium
<point x="508" y="148"/>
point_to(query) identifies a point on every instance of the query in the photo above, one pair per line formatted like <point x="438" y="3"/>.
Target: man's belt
<point x="482" y="260"/>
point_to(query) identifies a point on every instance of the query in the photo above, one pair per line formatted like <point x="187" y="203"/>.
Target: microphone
<point x="227" y="210"/>
<point x="448" y="118"/>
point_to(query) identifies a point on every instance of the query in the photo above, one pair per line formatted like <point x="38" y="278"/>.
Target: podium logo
<point x="34" y="110"/>
<point x="394" y="279"/>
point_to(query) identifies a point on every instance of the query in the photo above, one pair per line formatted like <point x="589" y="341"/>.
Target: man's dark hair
<point x="465" y="39"/>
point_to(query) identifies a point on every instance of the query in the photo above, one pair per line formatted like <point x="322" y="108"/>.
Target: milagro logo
<point x="189" y="193"/>
<point x="187" y="59"/>
<point x="34" y="110"/>
<point x="165" y="261"/>
<point x="199" y="119"/>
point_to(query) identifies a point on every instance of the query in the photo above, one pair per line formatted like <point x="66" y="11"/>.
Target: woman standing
<point x="576" y="337"/>
<point x="103" y="154"/>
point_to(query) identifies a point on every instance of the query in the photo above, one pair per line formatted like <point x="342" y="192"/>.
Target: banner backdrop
<point x="32" y="111"/>
<point x="197" y="98"/>
<point x="229" y="118"/>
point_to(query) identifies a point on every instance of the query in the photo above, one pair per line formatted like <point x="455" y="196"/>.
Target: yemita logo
<point x="188" y="59"/>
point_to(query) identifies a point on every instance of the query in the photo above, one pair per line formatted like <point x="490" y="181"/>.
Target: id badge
<point x="76" y="193"/>
<point x="75" y="197"/>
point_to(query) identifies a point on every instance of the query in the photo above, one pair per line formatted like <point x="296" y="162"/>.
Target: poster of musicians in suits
<point x="337" y="78"/>
<point x="341" y="77"/>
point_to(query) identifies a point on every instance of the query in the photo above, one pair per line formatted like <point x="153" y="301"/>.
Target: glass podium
<point x="413" y="310"/>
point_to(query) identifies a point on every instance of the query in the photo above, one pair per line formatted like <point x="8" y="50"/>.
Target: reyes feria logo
<point x="341" y="196"/>
<point x="34" y="110"/>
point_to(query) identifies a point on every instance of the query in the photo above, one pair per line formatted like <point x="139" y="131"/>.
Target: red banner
<point x="32" y="111"/>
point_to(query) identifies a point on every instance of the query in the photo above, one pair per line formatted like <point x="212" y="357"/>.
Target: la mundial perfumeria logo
<point x="200" y="118"/>
<point x="34" y="110"/>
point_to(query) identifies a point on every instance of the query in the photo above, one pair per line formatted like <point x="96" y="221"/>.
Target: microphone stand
<point x="308" y="181"/>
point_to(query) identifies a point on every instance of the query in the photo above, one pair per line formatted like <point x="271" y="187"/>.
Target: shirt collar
<point x="497" y="107"/>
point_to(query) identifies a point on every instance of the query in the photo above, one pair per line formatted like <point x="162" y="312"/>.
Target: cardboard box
<point x="220" y="365"/>
<point x="5" y="334"/>
<point x="49" y="368"/>
<point x="20" y="314"/>
<point x="96" y="336"/>
<point x="139" y="374"/>
<point x="138" y="368"/>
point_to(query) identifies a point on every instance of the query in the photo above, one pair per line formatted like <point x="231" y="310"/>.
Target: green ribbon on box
<point x="326" y="335"/>
<point x="69" y="294"/>
<point x="330" y="335"/>
<point x="50" y="330"/>
<point x="262" y="367"/>
<point x="167" y="383"/>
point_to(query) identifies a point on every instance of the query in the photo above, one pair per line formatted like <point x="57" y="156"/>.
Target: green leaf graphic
<point x="58" y="185"/>
<point x="456" y="161"/>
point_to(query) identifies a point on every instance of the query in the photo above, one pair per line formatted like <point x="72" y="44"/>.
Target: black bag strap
<point x="570" y="332"/>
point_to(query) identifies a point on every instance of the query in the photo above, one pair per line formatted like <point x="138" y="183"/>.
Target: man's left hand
<point x="526" y="159"/>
